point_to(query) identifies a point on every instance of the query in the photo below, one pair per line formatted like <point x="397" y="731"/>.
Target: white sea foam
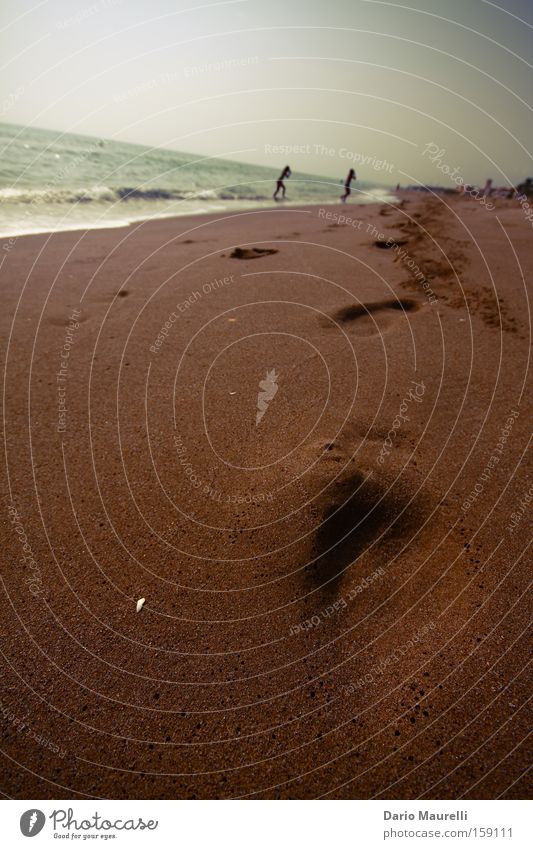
<point x="60" y="181"/>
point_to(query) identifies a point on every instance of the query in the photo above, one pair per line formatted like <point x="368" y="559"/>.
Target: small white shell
<point x="140" y="604"/>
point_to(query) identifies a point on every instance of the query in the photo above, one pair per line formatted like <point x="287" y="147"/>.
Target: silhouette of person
<point x="526" y="188"/>
<point x="347" y="190"/>
<point x="285" y="174"/>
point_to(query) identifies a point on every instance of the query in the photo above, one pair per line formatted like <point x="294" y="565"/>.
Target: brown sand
<point x="325" y="615"/>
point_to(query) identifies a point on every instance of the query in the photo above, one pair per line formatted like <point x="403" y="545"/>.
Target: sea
<point x="51" y="181"/>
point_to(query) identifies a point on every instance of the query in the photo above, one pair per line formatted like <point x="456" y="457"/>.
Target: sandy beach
<point x="302" y="440"/>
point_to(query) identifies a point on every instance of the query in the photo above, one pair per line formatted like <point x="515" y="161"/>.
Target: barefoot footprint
<point x="252" y="253"/>
<point x="362" y="315"/>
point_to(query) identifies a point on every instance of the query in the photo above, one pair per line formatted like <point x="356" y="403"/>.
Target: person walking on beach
<point x="347" y="190"/>
<point x="285" y="174"/>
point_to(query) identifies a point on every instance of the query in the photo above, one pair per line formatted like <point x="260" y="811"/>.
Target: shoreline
<point x="209" y="214"/>
<point x="238" y="206"/>
<point x="407" y="195"/>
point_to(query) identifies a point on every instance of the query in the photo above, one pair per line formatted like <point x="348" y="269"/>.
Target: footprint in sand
<point x="192" y="241"/>
<point x="252" y="253"/>
<point x="386" y="244"/>
<point x="363" y="514"/>
<point x="360" y="517"/>
<point x="64" y="320"/>
<point x="107" y="297"/>
<point x="363" y="315"/>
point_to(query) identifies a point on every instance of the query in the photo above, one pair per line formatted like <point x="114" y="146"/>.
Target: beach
<point x="300" y="434"/>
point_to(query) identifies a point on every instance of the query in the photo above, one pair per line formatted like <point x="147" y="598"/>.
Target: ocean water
<point x="53" y="181"/>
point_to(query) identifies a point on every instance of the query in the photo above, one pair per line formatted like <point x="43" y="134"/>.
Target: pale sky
<point x="377" y="79"/>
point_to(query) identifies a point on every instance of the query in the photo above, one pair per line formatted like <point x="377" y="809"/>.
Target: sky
<point x="318" y="84"/>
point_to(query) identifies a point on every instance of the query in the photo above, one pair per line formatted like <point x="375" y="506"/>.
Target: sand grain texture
<point x="323" y="617"/>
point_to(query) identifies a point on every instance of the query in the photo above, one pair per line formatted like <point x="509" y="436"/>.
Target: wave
<point x="55" y="195"/>
<point x="105" y="194"/>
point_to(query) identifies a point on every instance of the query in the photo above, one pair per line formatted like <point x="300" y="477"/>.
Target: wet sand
<point x="336" y="589"/>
